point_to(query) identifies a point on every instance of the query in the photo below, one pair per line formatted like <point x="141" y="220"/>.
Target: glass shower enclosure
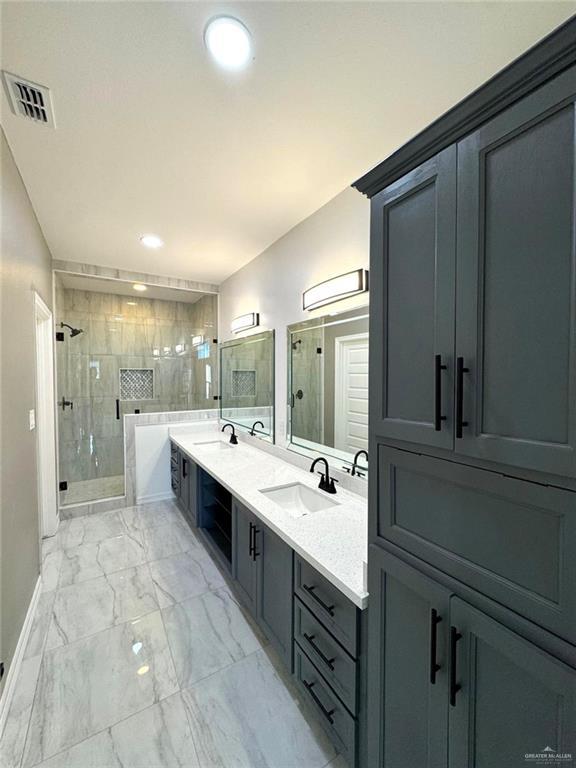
<point x="119" y="352"/>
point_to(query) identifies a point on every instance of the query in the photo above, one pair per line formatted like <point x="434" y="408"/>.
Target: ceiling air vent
<point x="29" y="99"/>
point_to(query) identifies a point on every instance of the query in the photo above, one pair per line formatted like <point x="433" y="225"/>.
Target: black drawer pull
<point x="326" y="712"/>
<point x="454" y="686"/>
<point x="251" y="541"/>
<point x="328" y="608"/>
<point x="255" y="553"/>
<point x="438" y="368"/>
<point x="325" y="659"/>
<point x="434" y="666"/>
<point x="460" y="371"/>
<point x="184" y="465"/>
<point x="117" y="408"/>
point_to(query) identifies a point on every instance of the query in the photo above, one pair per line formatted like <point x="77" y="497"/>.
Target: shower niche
<point x="120" y="352"/>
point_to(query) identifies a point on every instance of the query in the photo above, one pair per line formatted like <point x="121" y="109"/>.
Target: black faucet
<point x="233" y="438"/>
<point x="326" y="482"/>
<point x="253" y="425"/>
<point x="355" y="463"/>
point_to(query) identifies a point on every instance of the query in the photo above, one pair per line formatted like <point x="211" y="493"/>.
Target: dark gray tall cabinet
<point x="472" y="515"/>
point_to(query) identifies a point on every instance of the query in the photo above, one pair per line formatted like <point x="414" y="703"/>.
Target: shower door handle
<point x="66" y="403"/>
<point x="117" y="408"/>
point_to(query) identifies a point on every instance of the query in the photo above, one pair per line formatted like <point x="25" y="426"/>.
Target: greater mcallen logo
<point x="548" y="756"/>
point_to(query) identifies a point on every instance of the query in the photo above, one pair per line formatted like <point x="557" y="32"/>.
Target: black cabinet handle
<point x="184" y="465"/>
<point x="117" y="408"/>
<point x="329" y="662"/>
<point x="460" y="371"/>
<point x="438" y="368"/>
<point x="326" y="712"/>
<point x="251" y="540"/>
<point x="328" y="608"/>
<point x="434" y="666"/>
<point x="454" y="686"/>
<point x="255" y="553"/>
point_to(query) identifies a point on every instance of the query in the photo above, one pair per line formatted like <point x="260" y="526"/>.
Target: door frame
<point x="339" y="385"/>
<point x="45" y="418"/>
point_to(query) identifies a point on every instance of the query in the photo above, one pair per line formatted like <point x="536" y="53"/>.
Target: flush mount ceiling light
<point x="336" y="289"/>
<point x="228" y="41"/>
<point x="140" y="287"/>
<point x="244" y="322"/>
<point x="151" y="241"/>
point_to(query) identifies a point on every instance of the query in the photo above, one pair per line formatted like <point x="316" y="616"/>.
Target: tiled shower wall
<point x="126" y="332"/>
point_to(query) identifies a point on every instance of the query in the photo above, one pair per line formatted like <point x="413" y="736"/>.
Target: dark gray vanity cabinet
<point x="474" y="274"/>
<point x="516" y="289"/>
<point x="507" y="696"/>
<point x="414" y="234"/>
<point x="453" y="687"/>
<point x="244" y="567"/>
<point x="408" y="681"/>
<point x="187" y="487"/>
<point x="472" y="507"/>
<point x="262" y="570"/>
<point x="274" y="590"/>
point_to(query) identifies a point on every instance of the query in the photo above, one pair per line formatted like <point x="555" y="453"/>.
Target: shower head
<point x="295" y="344"/>
<point x="73" y="331"/>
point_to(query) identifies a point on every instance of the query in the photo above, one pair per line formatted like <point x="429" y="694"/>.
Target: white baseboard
<point x="163" y="496"/>
<point x="16" y="663"/>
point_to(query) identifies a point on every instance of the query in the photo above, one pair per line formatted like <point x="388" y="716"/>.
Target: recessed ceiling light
<point x="151" y="241"/>
<point x="229" y="42"/>
<point x="139" y="287"/>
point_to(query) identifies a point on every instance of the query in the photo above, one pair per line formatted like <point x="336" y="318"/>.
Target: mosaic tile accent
<point x="243" y="383"/>
<point x="136" y="383"/>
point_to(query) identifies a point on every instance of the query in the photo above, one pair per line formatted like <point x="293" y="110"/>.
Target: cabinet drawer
<point x="335" y="664"/>
<point x="510" y="539"/>
<point x="338" y="722"/>
<point x="328" y="604"/>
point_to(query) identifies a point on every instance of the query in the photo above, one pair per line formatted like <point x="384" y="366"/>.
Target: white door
<point x="351" y="393"/>
<point x="45" y="417"/>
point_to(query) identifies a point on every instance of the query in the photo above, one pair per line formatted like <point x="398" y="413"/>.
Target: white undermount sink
<point x="219" y="444"/>
<point x="298" y="499"/>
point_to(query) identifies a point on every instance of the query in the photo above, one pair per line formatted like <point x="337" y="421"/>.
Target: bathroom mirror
<point x="328" y="385"/>
<point x="247" y="383"/>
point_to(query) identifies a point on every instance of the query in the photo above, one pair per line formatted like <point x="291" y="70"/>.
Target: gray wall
<point x="25" y="265"/>
<point x="333" y="240"/>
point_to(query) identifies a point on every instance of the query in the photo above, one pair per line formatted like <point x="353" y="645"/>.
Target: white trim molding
<point x="16" y="663"/>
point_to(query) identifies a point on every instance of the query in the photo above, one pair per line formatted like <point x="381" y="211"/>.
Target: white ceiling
<point x="123" y="288"/>
<point x="152" y="137"/>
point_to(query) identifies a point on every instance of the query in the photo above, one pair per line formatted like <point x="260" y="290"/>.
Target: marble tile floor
<point x="80" y="491"/>
<point x="140" y="657"/>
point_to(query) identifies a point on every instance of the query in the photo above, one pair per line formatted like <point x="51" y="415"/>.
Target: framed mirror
<point x="328" y="385"/>
<point x="247" y="383"/>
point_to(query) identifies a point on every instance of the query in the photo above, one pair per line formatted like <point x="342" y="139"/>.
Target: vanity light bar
<point x="336" y="289"/>
<point x="242" y="323"/>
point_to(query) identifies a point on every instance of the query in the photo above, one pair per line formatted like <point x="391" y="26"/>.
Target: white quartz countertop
<point x="333" y="540"/>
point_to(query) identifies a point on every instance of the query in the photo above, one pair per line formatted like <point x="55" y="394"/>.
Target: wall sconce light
<point x="244" y="322"/>
<point x="336" y="289"/>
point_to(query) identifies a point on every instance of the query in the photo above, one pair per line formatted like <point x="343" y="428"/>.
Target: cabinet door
<point x="513" y="700"/>
<point x="412" y="309"/>
<point x="193" y="492"/>
<point x="408" y="663"/>
<point x="275" y="590"/>
<point x="244" y="562"/>
<point x="516" y="292"/>
<point x="184" y="481"/>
